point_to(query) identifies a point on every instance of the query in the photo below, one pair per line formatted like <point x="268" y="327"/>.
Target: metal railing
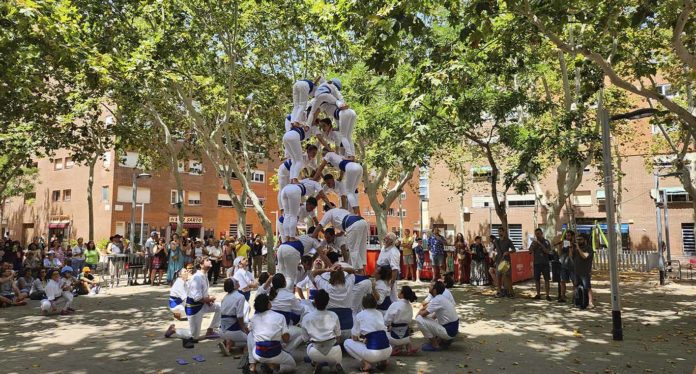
<point x="642" y="261"/>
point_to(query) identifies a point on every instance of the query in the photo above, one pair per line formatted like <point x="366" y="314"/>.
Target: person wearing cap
<point x="51" y="262"/>
<point x="88" y="284"/>
<point x="199" y="302"/>
<point x="57" y="293"/>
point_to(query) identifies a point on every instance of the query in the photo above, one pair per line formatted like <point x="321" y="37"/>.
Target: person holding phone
<point x="564" y="257"/>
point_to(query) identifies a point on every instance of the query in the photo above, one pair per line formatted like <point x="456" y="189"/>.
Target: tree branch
<point x="688" y="58"/>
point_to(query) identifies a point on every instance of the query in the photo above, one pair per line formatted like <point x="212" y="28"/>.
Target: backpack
<point x="581" y="298"/>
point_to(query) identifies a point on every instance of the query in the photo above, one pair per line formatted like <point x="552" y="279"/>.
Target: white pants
<point x="293" y="147"/>
<point x="284" y="359"/>
<point x="295" y="338"/>
<point x="196" y="320"/>
<point x="356" y="242"/>
<point x="351" y="180"/>
<point x="181" y="334"/>
<point x="283" y="180"/>
<point x="346" y="124"/>
<point x="300" y="95"/>
<point x="65" y="300"/>
<point x="332" y="358"/>
<point x="291" y="196"/>
<point x="359" y="351"/>
<point x="288" y="261"/>
<point x="235" y="336"/>
<point x="398" y="342"/>
<point x="430" y="328"/>
<point x="180" y="309"/>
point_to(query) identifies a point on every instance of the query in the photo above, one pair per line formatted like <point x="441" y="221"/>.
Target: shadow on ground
<point x="121" y="332"/>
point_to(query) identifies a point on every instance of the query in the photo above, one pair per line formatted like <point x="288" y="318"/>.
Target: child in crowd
<point x="57" y="292"/>
<point x="398" y="320"/>
<point x="369" y="343"/>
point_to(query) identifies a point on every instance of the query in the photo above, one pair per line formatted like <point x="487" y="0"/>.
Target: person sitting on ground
<point x="177" y="294"/>
<point x="88" y="283"/>
<point x="57" y="292"/>
<point x="51" y="262"/>
<point x="233" y="330"/>
<point x="398" y="320"/>
<point x="31" y="262"/>
<point x="69" y="279"/>
<point x="10" y="295"/>
<point x="438" y="321"/>
<point x="38" y="286"/>
<point x="268" y="331"/>
<point x="322" y="330"/>
<point x="24" y="282"/>
<point x="369" y="344"/>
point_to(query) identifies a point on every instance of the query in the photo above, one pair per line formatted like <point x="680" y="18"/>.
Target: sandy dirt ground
<point x="121" y="331"/>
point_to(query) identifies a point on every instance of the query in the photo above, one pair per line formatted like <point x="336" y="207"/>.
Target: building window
<point x="665" y="90"/>
<point x="195" y="167"/>
<point x="258" y="176"/>
<point x="130" y="160"/>
<point x="481" y="201"/>
<point x="390" y="212"/>
<point x="235" y="232"/>
<point x="582" y="198"/>
<point x="55" y="195"/>
<point x="688" y="238"/>
<point x="105" y="195"/>
<point x="58" y="164"/>
<point x="29" y="197"/>
<point x="224" y="200"/>
<point x="249" y="203"/>
<point x="124" y="194"/>
<point x="402" y="213"/>
<point x="67" y="195"/>
<point x="677" y="196"/>
<point x="403" y="196"/>
<point x="194" y="198"/>
<point x="174" y="197"/>
<point x="521" y="201"/>
<point x="514" y="233"/>
<point x="181" y="167"/>
<point x="106" y="157"/>
<point x="69" y="163"/>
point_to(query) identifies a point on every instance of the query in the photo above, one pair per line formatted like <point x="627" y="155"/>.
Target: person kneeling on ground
<point x="232" y="327"/>
<point x="369" y="324"/>
<point x="88" y="284"/>
<point x="199" y="302"/>
<point x="177" y="294"/>
<point x="438" y="321"/>
<point x="10" y="295"/>
<point x="265" y="341"/>
<point x="57" y="292"/>
<point x="322" y="330"/>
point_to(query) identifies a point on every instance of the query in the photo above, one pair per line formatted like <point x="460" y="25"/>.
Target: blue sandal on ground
<point x="429" y="348"/>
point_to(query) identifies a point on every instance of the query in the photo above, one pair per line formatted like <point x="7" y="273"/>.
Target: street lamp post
<point x="133" y="205"/>
<point x="142" y="223"/>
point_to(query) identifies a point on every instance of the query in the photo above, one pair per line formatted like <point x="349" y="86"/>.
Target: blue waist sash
<point x="290" y="317"/>
<point x="360" y="278"/>
<point x="226" y="319"/>
<point x="300" y="131"/>
<point x="289" y="117"/>
<point x="385" y="304"/>
<point x="281" y="219"/>
<point x="174" y="301"/>
<point x="297" y="245"/>
<point x="313" y="293"/>
<point x="302" y="188"/>
<point x="452" y="328"/>
<point x="246" y="294"/>
<point x="192" y="306"/>
<point x="337" y="112"/>
<point x="349" y="220"/>
<point x="287" y="164"/>
<point x="376" y="340"/>
<point x="310" y="83"/>
<point x="400" y="330"/>
<point x="345" y="317"/>
<point x="342" y="165"/>
<point x="268" y="349"/>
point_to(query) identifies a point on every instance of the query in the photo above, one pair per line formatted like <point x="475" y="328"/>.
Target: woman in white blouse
<point x="369" y="343"/>
<point x="398" y="319"/>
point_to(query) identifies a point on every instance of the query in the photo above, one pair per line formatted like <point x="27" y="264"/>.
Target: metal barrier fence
<point x="114" y="266"/>
<point x="643" y="261"/>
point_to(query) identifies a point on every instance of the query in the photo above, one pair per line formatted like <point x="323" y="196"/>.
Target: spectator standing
<point x="503" y="247"/>
<point x="583" y="255"/>
<point x="436" y="246"/>
<point x="159" y="261"/>
<point x="407" y="252"/>
<point x="228" y="255"/>
<point x="150" y="244"/>
<point x="78" y="254"/>
<point x="215" y="255"/>
<point x="566" y="260"/>
<point x="419" y="253"/>
<point x="257" y="256"/>
<point x="464" y="258"/>
<point x="541" y="249"/>
<point x="91" y="255"/>
<point x="243" y="248"/>
<point x="479" y="264"/>
<point x="176" y="259"/>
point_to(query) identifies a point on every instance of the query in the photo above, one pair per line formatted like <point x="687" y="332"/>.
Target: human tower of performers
<point x="366" y="316"/>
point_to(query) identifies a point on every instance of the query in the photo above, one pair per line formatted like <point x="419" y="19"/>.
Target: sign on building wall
<point x="175" y="219"/>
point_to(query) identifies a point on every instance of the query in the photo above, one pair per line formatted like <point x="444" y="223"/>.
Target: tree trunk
<point x="180" y="197"/>
<point x="461" y="213"/>
<point x="2" y="217"/>
<point x="90" y="198"/>
<point x="270" y="245"/>
<point x="381" y="221"/>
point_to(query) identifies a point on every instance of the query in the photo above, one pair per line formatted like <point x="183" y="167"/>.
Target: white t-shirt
<point x="311" y="186"/>
<point x="232" y="305"/>
<point x="214" y="252"/>
<point x="285" y="301"/>
<point x="447" y="294"/>
<point x="309" y="243"/>
<point x="198" y="251"/>
<point x="244" y="278"/>
<point x="340" y="295"/>
<point x="179" y="289"/>
<point x="320" y="326"/>
<point x="442" y="309"/>
<point x="367" y="321"/>
<point x="399" y="311"/>
<point x="79" y="252"/>
<point x="268" y="326"/>
<point x="333" y="158"/>
<point x="383" y="290"/>
<point x="54" y="289"/>
<point x="335" y="217"/>
<point x="198" y="286"/>
<point x="359" y="291"/>
<point x="389" y="256"/>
